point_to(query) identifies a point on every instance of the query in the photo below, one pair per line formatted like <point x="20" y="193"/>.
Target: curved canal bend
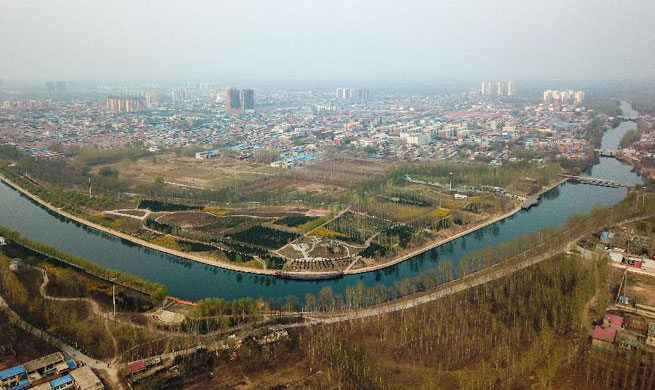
<point x="193" y="281"/>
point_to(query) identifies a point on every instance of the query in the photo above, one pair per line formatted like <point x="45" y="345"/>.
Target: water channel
<point x="192" y="281"/>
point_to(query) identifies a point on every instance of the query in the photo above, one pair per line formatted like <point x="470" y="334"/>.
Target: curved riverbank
<point x="128" y="237"/>
<point x="278" y="273"/>
<point x="444" y="241"/>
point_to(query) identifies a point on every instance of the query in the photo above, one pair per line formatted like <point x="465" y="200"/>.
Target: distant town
<point x="492" y="125"/>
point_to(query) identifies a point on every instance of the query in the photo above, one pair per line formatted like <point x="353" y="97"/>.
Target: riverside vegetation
<point x="388" y="216"/>
<point x="524" y="328"/>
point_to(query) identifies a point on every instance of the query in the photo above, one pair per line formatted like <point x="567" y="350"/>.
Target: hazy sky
<point x="326" y="40"/>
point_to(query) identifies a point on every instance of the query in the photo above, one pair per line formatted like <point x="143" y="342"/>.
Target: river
<point x="192" y="281"/>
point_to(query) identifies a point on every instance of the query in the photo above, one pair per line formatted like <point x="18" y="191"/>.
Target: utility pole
<point x="113" y="294"/>
<point x="89" y="188"/>
<point x="451" y="182"/>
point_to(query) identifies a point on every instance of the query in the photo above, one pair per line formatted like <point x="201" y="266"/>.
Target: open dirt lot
<point x="211" y="173"/>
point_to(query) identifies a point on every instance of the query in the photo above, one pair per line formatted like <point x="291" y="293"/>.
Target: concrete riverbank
<point x="277" y="273"/>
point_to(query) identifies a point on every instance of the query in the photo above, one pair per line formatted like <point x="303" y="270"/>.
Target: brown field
<point x="189" y="219"/>
<point x="640" y="288"/>
<point x="212" y="173"/>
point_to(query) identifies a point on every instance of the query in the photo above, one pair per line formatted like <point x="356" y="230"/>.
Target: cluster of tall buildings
<point x="125" y="104"/>
<point x="178" y="95"/>
<point x="352" y="94"/>
<point x="239" y="101"/>
<point x="26" y="104"/>
<point x="563" y="97"/>
<point x="55" y="86"/>
<point x="498" y="88"/>
<point x="150" y="97"/>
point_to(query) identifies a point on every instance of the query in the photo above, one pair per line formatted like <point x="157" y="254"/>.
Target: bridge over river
<point x="606" y="152"/>
<point x="596" y="181"/>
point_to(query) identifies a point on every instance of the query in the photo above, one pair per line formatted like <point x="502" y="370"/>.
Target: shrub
<point x="294" y="220"/>
<point x="216" y="210"/>
<point x="322" y="231"/>
<point x="264" y="236"/>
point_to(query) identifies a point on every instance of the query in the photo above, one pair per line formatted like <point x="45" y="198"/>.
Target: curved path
<point x="76" y="354"/>
<point x="97" y="310"/>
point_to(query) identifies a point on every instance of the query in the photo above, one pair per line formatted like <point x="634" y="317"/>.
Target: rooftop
<point x="137" y="366"/>
<point x="61" y="380"/>
<point x="614" y="319"/>
<point x="604" y="334"/>
<point x="12" y="372"/>
<point x="85" y="377"/>
<point x="44" y="361"/>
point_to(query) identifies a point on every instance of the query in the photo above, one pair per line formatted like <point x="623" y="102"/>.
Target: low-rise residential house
<point x="13" y="378"/>
<point x="603" y="338"/>
<point x="613" y="321"/>
<point x="44" y="366"/>
<point x="62" y="383"/>
<point x="86" y="379"/>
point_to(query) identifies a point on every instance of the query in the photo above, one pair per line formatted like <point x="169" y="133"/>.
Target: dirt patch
<point x="189" y="219"/>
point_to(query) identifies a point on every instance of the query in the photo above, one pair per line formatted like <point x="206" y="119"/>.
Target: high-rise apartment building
<point x="579" y="97"/>
<point x="178" y="95"/>
<point x="151" y="99"/>
<point x="563" y="97"/>
<point x="239" y="101"/>
<point x="486" y="88"/>
<point x="125" y="104"/>
<point x="232" y="100"/>
<point x="247" y="100"/>
<point x="352" y="94"/>
<point x="500" y="88"/>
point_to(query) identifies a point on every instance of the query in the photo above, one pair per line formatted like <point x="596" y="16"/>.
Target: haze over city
<point x="327" y="194"/>
<point x="326" y="41"/>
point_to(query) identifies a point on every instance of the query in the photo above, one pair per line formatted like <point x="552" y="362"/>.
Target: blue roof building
<point x="12" y="377"/>
<point x="63" y="382"/>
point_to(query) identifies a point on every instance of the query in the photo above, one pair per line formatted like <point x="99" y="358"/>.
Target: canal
<point x="192" y="281"/>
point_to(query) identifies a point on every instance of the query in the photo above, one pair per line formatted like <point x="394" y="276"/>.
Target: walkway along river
<point x="192" y="281"/>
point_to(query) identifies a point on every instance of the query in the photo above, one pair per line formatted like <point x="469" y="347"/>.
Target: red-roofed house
<point x="136" y="367"/>
<point x="613" y="321"/>
<point x="603" y="337"/>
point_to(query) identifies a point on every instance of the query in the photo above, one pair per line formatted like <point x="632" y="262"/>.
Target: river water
<point x="192" y="281"/>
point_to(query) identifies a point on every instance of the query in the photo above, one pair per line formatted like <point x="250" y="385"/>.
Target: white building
<point x="500" y="88"/>
<point x="415" y="138"/>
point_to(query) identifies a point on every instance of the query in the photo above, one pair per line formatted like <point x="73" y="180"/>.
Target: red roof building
<point x="604" y="334"/>
<point x="613" y="321"/>
<point x="603" y="338"/>
<point x="137" y="366"/>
